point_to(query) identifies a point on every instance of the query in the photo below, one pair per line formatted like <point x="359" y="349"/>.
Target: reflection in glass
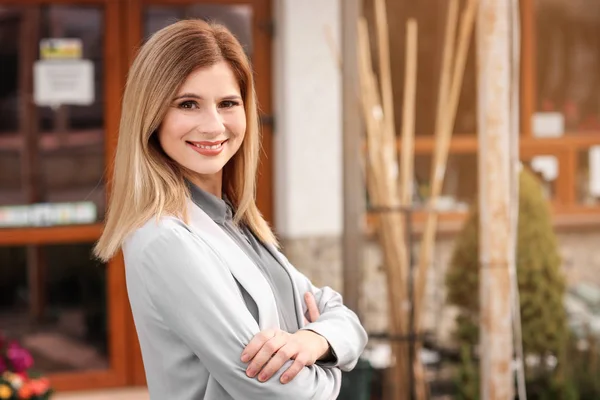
<point x="49" y="154"/>
<point x="237" y="18"/>
<point x="588" y="176"/>
<point x="460" y="183"/>
<point x="431" y="15"/>
<point x="53" y="300"/>
<point x="568" y="61"/>
<point x="546" y="168"/>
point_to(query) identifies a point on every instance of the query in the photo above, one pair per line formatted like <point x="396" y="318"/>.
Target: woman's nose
<point x="211" y="122"/>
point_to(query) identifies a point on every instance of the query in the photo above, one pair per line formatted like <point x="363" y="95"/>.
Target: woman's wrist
<point x="327" y="355"/>
<point x="320" y="345"/>
<point x="325" y="348"/>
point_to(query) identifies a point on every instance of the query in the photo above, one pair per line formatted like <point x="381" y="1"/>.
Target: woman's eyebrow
<point x="232" y="97"/>
<point x="197" y="97"/>
<point x="188" y="96"/>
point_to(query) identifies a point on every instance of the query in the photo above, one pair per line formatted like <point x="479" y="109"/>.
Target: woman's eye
<point x="189" y="105"/>
<point x="229" y="104"/>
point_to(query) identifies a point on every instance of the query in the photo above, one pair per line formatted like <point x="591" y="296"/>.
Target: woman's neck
<point x="212" y="184"/>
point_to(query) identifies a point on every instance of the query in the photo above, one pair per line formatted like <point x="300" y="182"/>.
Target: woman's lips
<point x="208" y="148"/>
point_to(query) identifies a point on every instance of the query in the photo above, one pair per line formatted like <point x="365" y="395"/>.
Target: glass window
<point x="588" y="176"/>
<point x="568" y="62"/>
<point x="53" y="300"/>
<point x="547" y="169"/>
<point x="431" y="16"/>
<point x="460" y="183"/>
<point x="49" y="155"/>
<point x="237" y="18"/>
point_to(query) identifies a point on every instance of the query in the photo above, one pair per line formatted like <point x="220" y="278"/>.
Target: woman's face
<point x="206" y="122"/>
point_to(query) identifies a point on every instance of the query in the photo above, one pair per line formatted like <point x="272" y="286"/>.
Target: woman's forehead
<point x="217" y="79"/>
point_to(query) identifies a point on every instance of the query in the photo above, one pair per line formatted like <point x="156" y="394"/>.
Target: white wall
<point x="308" y="105"/>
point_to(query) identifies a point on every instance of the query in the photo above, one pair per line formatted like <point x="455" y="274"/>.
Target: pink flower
<point x="3" y="366"/>
<point x="19" y="357"/>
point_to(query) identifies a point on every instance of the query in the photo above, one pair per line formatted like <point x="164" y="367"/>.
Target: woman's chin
<point x="212" y="169"/>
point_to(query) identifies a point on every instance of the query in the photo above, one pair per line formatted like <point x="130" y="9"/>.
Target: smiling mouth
<point x="208" y="149"/>
<point x="209" y="145"/>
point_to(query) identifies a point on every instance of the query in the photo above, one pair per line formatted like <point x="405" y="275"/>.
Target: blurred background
<point x="71" y="312"/>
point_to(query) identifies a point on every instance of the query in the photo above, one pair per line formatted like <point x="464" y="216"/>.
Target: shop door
<point x="70" y="311"/>
<point x="67" y="309"/>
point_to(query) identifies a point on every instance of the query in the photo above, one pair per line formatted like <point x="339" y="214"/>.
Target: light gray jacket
<point x="192" y="322"/>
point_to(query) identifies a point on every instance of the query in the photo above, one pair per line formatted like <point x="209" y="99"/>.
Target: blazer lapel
<point x="241" y="267"/>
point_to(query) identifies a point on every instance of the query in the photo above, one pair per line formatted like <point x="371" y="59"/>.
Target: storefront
<point x="73" y="313"/>
<point x="559" y="105"/>
<point x="69" y="310"/>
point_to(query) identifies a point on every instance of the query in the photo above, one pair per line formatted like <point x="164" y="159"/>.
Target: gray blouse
<point x="221" y="212"/>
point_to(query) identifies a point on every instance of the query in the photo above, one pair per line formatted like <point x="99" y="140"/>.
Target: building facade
<point x="55" y="158"/>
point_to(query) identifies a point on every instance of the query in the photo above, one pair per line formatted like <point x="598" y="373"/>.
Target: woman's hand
<point x="269" y="350"/>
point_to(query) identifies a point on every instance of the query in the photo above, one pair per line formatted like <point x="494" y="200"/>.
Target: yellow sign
<point x="60" y="49"/>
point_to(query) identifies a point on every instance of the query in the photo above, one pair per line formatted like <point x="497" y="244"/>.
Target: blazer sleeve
<point x="196" y="297"/>
<point x="337" y="323"/>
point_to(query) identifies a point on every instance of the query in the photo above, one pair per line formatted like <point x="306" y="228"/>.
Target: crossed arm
<point x="269" y="350"/>
<point x="201" y="304"/>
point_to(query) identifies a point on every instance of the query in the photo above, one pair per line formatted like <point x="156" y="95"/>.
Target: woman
<point x="218" y="309"/>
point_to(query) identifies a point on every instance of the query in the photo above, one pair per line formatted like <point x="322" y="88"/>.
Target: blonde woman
<point x="219" y="311"/>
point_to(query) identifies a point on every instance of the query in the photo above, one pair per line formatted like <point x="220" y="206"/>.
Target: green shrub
<point x="467" y="379"/>
<point x="540" y="281"/>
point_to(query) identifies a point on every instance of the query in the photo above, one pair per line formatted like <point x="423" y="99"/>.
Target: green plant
<point x="540" y="281"/>
<point x="467" y="379"/>
<point x="582" y="367"/>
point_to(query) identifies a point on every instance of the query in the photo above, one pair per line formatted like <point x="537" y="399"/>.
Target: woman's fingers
<point x="270" y="349"/>
<point x="299" y="363"/>
<point x="284" y="354"/>
<point x="256" y="344"/>
<point x="311" y="304"/>
<point x="265" y="353"/>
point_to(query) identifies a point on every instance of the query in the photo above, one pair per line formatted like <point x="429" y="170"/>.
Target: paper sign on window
<point x="48" y="214"/>
<point x="63" y="82"/>
<point x="60" y="48"/>
<point x="594" y="171"/>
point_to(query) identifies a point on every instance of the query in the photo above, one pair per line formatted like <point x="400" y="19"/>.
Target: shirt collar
<point x="217" y="209"/>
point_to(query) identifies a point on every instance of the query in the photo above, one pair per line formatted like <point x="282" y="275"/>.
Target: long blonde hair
<point x="147" y="183"/>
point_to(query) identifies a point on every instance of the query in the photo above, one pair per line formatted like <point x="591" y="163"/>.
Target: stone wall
<point x="320" y="259"/>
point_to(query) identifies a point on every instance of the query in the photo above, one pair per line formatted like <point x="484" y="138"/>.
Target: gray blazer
<point x="192" y="322"/>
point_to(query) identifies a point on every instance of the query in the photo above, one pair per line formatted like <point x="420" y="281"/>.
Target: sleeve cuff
<point x="332" y="360"/>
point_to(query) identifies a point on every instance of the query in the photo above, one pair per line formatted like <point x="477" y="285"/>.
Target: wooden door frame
<point x="116" y="374"/>
<point x="262" y="65"/>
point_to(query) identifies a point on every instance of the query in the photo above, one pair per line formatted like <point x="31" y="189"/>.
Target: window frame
<point x="565" y="209"/>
